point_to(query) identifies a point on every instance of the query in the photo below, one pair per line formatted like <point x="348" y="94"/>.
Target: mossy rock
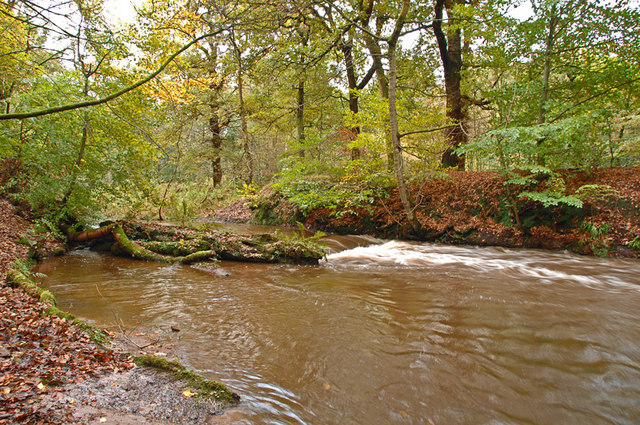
<point x="203" y="386"/>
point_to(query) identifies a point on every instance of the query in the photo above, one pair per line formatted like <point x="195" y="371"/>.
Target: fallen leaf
<point x="404" y="414"/>
<point x="188" y="393"/>
<point x="41" y="386"/>
<point x="326" y="386"/>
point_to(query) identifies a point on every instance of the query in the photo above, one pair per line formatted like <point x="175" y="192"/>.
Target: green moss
<point x="17" y="277"/>
<point x="294" y="251"/>
<point x="97" y="335"/>
<point x="47" y="297"/>
<point x="197" y="256"/>
<point x="179" y="248"/>
<point x="203" y="386"/>
<point x="134" y="250"/>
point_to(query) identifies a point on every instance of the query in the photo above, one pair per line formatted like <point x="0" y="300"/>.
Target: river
<point x="387" y="332"/>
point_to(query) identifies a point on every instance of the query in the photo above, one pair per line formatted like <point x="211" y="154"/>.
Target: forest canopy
<point x="327" y="101"/>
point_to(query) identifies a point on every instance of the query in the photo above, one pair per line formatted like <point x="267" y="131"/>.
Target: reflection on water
<point x="391" y="332"/>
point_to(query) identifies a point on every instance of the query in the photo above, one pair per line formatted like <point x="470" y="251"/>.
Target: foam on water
<point x="398" y="254"/>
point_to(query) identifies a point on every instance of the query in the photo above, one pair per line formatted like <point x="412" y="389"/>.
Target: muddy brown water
<point x="390" y="332"/>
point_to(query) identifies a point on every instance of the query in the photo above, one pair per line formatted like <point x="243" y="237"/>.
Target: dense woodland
<point x="333" y="104"/>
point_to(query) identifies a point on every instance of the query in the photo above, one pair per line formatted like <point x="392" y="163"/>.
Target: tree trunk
<point x="353" y="95"/>
<point x="450" y="48"/>
<point x="304" y="33"/>
<point x="243" y="123"/>
<point x="215" y="126"/>
<point x="81" y="149"/>
<point x="205" y="247"/>
<point x="300" y="118"/>
<point x="383" y="87"/>
<point x="546" y="75"/>
<point x="216" y="144"/>
<point x="78" y="162"/>
<point x="398" y="163"/>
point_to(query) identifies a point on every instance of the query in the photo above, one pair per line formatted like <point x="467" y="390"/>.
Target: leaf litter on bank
<point x="39" y="353"/>
<point x="52" y="373"/>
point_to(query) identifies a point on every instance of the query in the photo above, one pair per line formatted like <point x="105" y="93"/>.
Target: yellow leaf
<point x="188" y="393"/>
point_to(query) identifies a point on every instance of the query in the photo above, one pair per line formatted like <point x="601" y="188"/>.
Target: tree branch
<point x="72" y="106"/>
<point x="575" y="105"/>
<point x="430" y="130"/>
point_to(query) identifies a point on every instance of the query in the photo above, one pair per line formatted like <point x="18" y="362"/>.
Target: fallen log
<point x="124" y="244"/>
<point x="186" y="246"/>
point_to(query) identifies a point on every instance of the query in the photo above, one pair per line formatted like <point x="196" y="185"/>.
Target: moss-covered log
<point x="135" y="250"/>
<point x="197" y="257"/>
<point x="17" y="278"/>
<point x="187" y="246"/>
<point x="178" y="248"/>
<point x="91" y="234"/>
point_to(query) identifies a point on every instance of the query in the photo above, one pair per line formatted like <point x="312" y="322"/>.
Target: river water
<point x="389" y="332"/>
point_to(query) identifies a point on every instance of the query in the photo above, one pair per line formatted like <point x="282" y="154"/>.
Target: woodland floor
<point x="52" y="373"/>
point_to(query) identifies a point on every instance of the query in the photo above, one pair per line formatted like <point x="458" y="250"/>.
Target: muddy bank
<point x="54" y="373"/>
<point x="483" y="208"/>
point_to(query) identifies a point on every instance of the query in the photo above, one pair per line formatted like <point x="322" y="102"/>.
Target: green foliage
<point x="577" y="142"/>
<point x="24" y="266"/>
<point x="312" y="184"/>
<point x="250" y="192"/>
<point x="554" y="194"/>
<point x="152" y="151"/>
<point x="42" y="230"/>
<point x="635" y="243"/>
<point x="599" y="242"/>
<point x="596" y="232"/>
<point x="302" y="233"/>
<point x="551" y="198"/>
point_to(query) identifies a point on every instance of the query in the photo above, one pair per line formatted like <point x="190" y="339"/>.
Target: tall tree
<point x="450" y="47"/>
<point x="398" y="160"/>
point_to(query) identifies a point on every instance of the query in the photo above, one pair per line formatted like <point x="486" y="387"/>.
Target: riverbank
<point x="596" y="213"/>
<point x="53" y="373"/>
